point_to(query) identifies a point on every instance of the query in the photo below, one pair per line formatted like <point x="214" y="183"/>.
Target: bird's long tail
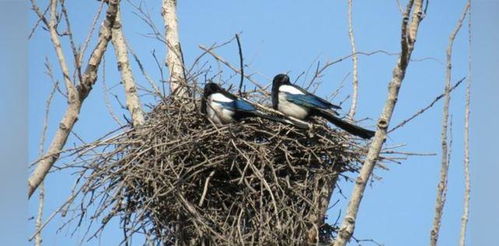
<point x="350" y="128"/>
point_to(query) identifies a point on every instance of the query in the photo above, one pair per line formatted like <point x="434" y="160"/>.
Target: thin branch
<point x="421" y="111"/>
<point x="41" y="194"/>
<point x="319" y="71"/>
<point x="467" y="185"/>
<point x="399" y="6"/>
<point x="408" y="38"/>
<point x="54" y="36"/>
<point x="84" y="47"/>
<point x="69" y="33"/>
<point x="241" y="64"/>
<point x="41" y="18"/>
<point x="144" y="73"/>
<point x="442" y="185"/>
<point x="220" y="59"/>
<point x="105" y="93"/>
<point x="68" y="201"/>
<point x="355" y="78"/>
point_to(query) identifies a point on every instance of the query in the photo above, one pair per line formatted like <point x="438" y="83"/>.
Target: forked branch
<point x="76" y="99"/>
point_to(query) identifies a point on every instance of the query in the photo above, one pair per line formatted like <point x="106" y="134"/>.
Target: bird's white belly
<point x="219" y="114"/>
<point x="291" y="109"/>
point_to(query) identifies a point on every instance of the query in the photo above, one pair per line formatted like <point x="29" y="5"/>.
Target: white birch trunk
<point x="174" y="59"/>
<point x="120" y="49"/>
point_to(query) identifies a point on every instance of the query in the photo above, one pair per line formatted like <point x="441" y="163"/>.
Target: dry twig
<point x="421" y="111"/>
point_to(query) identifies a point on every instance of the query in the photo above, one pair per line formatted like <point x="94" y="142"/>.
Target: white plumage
<point x="290" y="108"/>
<point x="216" y="111"/>
<point x="290" y="89"/>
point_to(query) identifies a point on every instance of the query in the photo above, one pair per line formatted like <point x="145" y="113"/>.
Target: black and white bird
<point x="294" y="101"/>
<point x="223" y="107"/>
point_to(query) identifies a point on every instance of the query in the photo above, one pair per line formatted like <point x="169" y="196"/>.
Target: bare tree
<point x="408" y="38"/>
<point x="442" y="185"/>
<point x="199" y="168"/>
<point x="76" y="93"/>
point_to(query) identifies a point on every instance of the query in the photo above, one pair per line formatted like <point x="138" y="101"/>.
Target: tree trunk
<point x="174" y="58"/>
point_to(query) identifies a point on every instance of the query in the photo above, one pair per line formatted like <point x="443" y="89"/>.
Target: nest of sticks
<point x="181" y="180"/>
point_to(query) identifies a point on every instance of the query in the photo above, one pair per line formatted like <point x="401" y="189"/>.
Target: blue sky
<point x="291" y="36"/>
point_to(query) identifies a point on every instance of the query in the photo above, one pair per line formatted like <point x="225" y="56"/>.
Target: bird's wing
<point x="300" y="96"/>
<point x="237" y="105"/>
<point x="242" y="105"/>
<point x="223" y="100"/>
<point x="308" y="100"/>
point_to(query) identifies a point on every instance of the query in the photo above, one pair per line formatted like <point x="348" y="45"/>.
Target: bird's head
<point x="210" y="88"/>
<point x="280" y="79"/>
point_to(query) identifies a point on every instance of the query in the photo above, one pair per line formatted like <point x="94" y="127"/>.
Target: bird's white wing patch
<point x="290" y="89"/>
<point x="216" y="112"/>
<point x="220" y="97"/>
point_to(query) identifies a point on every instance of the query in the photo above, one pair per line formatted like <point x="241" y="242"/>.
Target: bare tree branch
<point x="39" y="216"/>
<point x="220" y="59"/>
<point x="421" y="111"/>
<point x="241" y="64"/>
<point x="54" y="36"/>
<point x="41" y="195"/>
<point x="84" y="46"/>
<point x="106" y="93"/>
<point x="408" y="38"/>
<point x="174" y="59"/>
<point x="467" y="185"/>
<point x="355" y="77"/>
<point x="75" y="98"/>
<point x="442" y="185"/>
<point x="69" y="33"/>
<point x="120" y="49"/>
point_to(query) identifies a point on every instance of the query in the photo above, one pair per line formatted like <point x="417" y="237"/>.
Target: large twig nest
<point x="182" y="179"/>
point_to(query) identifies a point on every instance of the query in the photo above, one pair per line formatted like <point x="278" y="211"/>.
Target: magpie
<point x="294" y="101"/>
<point x="223" y="107"/>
